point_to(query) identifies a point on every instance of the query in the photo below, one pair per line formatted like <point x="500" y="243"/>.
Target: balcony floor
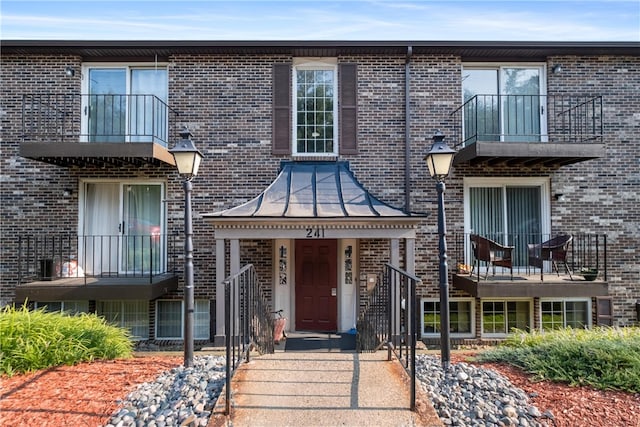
<point x="529" y="285"/>
<point x="98" y="288"/>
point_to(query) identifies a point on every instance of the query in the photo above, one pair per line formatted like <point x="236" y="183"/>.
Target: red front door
<point x="316" y="285"/>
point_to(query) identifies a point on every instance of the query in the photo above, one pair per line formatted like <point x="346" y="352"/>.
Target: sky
<point x="399" y="20"/>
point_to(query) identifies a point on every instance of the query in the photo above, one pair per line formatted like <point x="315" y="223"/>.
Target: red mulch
<point x="82" y="395"/>
<point x="87" y="394"/>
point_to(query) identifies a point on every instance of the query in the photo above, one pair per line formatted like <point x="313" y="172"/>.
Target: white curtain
<point x="100" y="241"/>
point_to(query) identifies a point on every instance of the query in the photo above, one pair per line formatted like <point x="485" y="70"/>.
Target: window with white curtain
<point x="170" y="316"/>
<point x="510" y="211"/>
<point x="556" y="314"/>
<point x="131" y="315"/>
<point x="461" y="317"/>
<point x="500" y="317"/>
<point x="69" y="307"/>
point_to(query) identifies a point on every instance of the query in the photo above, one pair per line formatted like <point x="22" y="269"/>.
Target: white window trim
<point x="314" y="64"/>
<point x="503" y="300"/>
<point x="564" y="309"/>
<point x="472" y="314"/>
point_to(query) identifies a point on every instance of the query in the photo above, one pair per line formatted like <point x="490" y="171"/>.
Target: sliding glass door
<point x="125" y="104"/>
<point x="122" y="228"/>
<point x="510" y="213"/>
<point x="504" y="103"/>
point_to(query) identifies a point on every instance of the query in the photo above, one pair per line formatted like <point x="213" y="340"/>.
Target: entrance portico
<point x="319" y="202"/>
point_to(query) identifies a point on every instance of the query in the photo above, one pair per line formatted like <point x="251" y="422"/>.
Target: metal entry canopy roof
<point x="311" y="189"/>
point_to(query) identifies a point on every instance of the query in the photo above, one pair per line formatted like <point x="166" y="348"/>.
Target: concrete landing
<point x="322" y="389"/>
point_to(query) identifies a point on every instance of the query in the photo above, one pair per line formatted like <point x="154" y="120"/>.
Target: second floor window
<point x="315" y="109"/>
<point x="125" y="104"/>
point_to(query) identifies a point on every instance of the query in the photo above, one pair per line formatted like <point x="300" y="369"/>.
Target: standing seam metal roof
<point x="311" y="189"/>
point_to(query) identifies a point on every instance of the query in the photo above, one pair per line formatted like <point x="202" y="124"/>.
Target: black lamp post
<point x="187" y="158"/>
<point x="439" y="160"/>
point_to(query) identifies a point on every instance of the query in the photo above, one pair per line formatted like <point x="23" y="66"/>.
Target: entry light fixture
<point x="556" y="69"/>
<point x="440" y="158"/>
<point x="70" y="71"/>
<point x="186" y="156"/>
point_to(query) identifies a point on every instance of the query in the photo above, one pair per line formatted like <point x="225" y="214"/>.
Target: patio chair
<point x="493" y="253"/>
<point x="554" y="250"/>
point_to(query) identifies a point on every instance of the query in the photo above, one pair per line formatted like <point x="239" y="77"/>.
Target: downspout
<point x="407" y="130"/>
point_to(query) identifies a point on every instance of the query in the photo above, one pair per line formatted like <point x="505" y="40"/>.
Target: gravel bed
<point x="465" y="395"/>
<point x="181" y="396"/>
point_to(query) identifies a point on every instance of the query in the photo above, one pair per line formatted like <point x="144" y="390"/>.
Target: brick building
<point x="314" y="173"/>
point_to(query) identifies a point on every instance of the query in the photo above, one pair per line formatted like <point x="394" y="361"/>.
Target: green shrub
<point x="35" y="339"/>
<point x="603" y="358"/>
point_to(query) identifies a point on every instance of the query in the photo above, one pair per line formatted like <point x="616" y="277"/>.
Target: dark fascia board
<point x="467" y="49"/>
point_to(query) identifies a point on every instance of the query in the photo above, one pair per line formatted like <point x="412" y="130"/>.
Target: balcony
<point x="72" y="267"/>
<point x="538" y="269"/>
<point x="97" y="130"/>
<point x="529" y="130"/>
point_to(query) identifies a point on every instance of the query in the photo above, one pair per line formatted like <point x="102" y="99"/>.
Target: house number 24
<point x="315" y="232"/>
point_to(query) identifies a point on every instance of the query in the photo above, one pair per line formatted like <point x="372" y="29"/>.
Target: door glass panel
<point x="524" y="220"/>
<point x="481" y="114"/>
<point x="521" y="104"/>
<point x="99" y="243"/>
<point x="107" y="104"/>
<point x="149" y="115"/>
<point x="142" y="224"/>
<point x="487" y="212"/>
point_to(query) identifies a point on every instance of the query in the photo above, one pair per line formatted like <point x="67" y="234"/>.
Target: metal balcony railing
<point x="529" y="118"/>
<point x="52" y="257"/>
<point x="96" y="118"/>
<point x="533" y="254"/>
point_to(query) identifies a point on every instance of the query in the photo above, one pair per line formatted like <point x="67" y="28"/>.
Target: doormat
<point x="319" y="342"/>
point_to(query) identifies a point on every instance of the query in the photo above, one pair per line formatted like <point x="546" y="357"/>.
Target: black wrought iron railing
<point x="390" y="319"/>
<point x="530" y="254"/>
<point x="96" y="118"/>
<point x="51" y="257"/>
<point x="529" y="118"/>
<point x="248" y="322"/>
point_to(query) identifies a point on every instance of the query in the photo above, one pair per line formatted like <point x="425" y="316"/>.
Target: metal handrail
<point x="248" y="322"/>
<point x="390" y="319"/>
<point x="106" y="118"/>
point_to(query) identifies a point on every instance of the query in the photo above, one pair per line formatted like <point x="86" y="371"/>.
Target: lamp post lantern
<point x="187" y="158"/>
<point x="439" y="160"/>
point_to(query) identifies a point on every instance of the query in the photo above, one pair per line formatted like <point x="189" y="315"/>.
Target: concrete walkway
<point x="322" y="389"/>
